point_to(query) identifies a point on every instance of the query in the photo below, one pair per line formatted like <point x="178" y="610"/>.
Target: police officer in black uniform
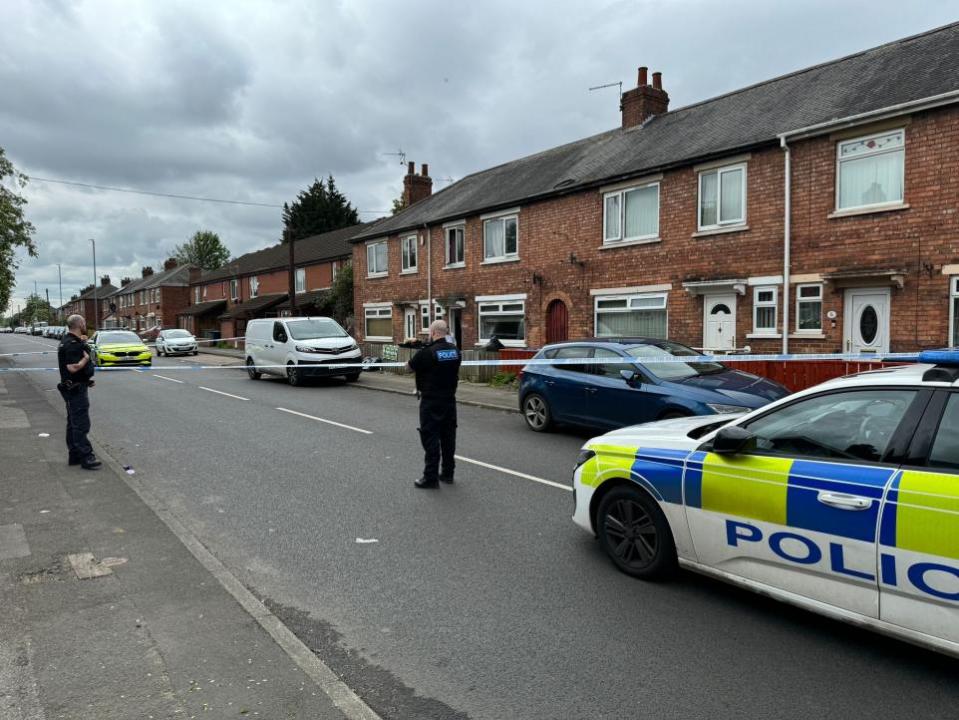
<point x="76" y="378"/>
<point x="437" y="368"/>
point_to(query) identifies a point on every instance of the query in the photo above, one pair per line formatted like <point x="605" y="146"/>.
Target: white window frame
<point x="371" y="256"/>
<point x="461" y="228"/>
<point x="506" y="257"/>
<point x="196" y="295"/>
<point x="409" y="245"/>
<point x="494" y="308"/>
<point x="720" y="171"/>
<point x="621" y="194"/>
<point x="334" y="266"/>
<point x="378" y="312"/>
<point x="953" y="297"/>
<point x="234" y="289"/>
<point x="597" y="311"/>
<point x="410" y="315"/>
<point x="774" y="304"/>
<point x="800" y="300"/>
<point x="871" y="153"/>
<point x="254" y="286"/>
<point x="204" y="290"/>
<point x="299" y="280"/>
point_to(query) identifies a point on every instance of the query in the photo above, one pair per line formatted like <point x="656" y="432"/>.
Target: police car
<point x="842" y="499"/>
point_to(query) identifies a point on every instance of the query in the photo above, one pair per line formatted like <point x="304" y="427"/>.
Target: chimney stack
<point x="416" y="187"/>
<point x="147" y="271"/>
<point x="125" y="281"/>
<point x="104" y="280"/>
<point x="194" y="274"/>
<point x="169" y="263"/>
<point x="645" y="100"/>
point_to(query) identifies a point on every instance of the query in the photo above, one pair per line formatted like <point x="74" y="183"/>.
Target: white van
<point x="300" y="347"/>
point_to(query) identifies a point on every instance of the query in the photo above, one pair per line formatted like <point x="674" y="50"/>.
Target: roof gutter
<point x="928" y="103"/>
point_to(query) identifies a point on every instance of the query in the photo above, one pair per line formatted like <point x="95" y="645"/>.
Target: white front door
<point x="410" y="318"/>
<point x="719" y="324"/>
<point x="866" y="320"/>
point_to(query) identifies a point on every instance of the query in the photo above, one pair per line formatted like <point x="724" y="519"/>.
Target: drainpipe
<point x="787" y="228"/>
<point x="429" y="274"/>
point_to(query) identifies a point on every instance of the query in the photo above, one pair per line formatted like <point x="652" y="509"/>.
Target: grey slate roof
<point x="309" y="250"/>
<point x="905" y="70"/>
<point x="178" y="276"/>
<point x="102" y="291"/>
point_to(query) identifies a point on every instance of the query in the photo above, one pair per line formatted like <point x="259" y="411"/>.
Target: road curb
<point x="474" y="403"/>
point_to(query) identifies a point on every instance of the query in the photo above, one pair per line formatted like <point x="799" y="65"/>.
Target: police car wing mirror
<point x="733" y="439"/>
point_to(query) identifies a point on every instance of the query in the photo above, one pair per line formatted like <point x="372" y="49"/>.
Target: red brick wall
<point x="919" y="240"/>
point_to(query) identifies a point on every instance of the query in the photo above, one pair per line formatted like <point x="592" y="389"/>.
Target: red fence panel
<point x="798" y="375"/>
<point x="514" y="354"/>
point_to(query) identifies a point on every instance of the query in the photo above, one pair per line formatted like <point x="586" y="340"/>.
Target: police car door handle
<point x="844" y="502"/>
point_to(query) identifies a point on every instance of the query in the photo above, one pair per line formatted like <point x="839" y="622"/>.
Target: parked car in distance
<point x="20" y="330"/>
<point x="297" y="348"/>
<point x="119" y="347"/>
<point x="6" y="329"/>
<point x="176" y="342"/>
<point x="625" y="381"/>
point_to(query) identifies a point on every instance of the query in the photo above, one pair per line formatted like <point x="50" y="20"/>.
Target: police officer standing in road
<point x="437" y="368"/>
<point x="76" y="378"/>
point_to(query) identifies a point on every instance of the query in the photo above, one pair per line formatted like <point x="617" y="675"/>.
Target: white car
<point x="6" y="329"/>
<point x="297" y="348"/>
<point x="176" y="342"/>
<point x="842" y="499"/>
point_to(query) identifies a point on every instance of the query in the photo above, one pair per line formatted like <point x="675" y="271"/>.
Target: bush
<point x="503" y="379"/>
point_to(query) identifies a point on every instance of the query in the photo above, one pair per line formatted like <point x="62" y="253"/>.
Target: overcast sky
<point x="251" y="100"/>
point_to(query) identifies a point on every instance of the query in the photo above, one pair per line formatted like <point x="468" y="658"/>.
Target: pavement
<point x="106" y="613"/>
<point x="475" y="394"/>
<point x="478" y="600"/>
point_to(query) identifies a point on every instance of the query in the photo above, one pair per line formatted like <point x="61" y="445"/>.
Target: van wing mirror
<point x="732" y="440"/>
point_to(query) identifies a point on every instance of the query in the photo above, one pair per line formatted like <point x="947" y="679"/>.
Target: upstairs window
<point x="871" y="170"/>
<point x="376" y="258"/>
<point x="809" y="308"/>
<point x="254" y="286"/>
<point x="500" y="238"/>
<point x="631" y="214"/>
<point x="722" y="197"/>
<point x="234" y="290"/>
<point x="196" y="296"/>
<point x="455" y="246"/>
<point x="300" y="280"/>
<point x="408" y="246"/>
<point x="764" y="310"/>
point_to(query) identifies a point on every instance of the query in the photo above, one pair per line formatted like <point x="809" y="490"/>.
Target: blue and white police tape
<point x="147" y="344"/>
<point x="928" y="356"/>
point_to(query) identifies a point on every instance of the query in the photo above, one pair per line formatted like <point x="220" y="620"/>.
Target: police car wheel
<point x="251" y="369"/>
<point x="634" y="533"/>
<point x="536" y="413"/>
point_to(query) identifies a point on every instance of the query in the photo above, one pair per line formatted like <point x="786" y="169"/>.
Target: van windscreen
<point x="315" y="329"/>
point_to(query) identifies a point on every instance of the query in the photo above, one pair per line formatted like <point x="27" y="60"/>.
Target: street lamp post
<point x="96" y="303"/>
<point x="60" y="283"/>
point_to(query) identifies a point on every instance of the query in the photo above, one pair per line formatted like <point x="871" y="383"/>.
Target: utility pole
<point x="292" y="271"/>
<point x="96" y="303"/>
<point x="60" y="283"/>
<point x="47" y="291"/>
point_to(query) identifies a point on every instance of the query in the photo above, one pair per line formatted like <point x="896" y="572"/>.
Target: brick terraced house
<point x="258" y="284"/>
<point x="815" y="212"/>
<point x="155" y="299"/>
<point x="85" y="303"/>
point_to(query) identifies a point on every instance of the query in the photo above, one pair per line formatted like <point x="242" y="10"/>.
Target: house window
<point x="500" y="239"/>
<point x="334" y="266"/>
<point x="424" y="318"/>
<point x="809" y="308"/>
<point x="632" y="214"/>
<point x="631" y="316"/>
<point x="234" y="290"/>
<point x="156" y="295"/>
<point x="300" y="280"/>
<point x="254" y="286"/>
<point x="455" y="247"/>
<point x="196" y="296"/>
<point x="409" y="253"/>
<point x="204" y="291"/>
<point x="722" y="197"/>
<point x="871" y="170"/>
<point x="376" y="257"/>
<point x="379" y="323"/>
<point x="764" y="310"/>
<point x="953" y="311"/>
<point x="505" y="320"/>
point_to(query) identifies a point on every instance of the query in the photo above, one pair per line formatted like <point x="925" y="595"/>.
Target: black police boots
<point x="423" y="483"/>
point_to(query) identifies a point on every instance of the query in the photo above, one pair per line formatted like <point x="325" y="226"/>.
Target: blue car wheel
<point x="536" y="412"/>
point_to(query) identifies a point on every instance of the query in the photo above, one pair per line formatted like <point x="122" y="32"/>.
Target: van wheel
<point x="293" y="375"/>
<point x="536" y="413"/>
<point x="635" y="534"/>
<point x="251" y="370"/>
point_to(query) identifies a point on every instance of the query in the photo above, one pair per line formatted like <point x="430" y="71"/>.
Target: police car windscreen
<point x="117" y="337"/>
<point x="315" y="329"/>
<point x="647" y="354"/>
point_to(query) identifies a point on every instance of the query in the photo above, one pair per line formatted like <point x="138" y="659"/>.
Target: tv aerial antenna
<point x="609" y="85"/>
<point x="400" y="154"/>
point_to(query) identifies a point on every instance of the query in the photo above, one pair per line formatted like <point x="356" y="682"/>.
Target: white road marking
<point x="328" y="422"/>
<point x="220" y="392"/>
<point x="514" y="473"/>
<point x="163" y="377"/>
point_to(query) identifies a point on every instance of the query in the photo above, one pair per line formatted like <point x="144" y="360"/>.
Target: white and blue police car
<point x="842" y="499"/>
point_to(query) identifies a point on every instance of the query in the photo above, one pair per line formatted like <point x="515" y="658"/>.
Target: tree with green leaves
<point x="318" y="209"/>
<point x="15" y="230"/>
<point x="36" y="309"/>
<point x="338" y="301"/>
<point x="398" y="204"/>
<point x="204" y="249"/>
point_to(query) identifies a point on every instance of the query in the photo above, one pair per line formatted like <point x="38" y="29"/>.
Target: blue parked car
<point x="621" y="383"/>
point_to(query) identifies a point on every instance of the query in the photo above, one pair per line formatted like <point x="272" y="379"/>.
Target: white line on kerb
<point x="220" y="392"/>
<point x="514" y="473"/>
<point x="328" y="422"/>
<point x="163" y="377"/>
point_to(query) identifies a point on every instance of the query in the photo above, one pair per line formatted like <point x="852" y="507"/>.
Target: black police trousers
<point x="77" y="399"/>
<point x="438" y="435"/>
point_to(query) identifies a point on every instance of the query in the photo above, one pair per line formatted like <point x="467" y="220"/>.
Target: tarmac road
<point x="479" y="600"/>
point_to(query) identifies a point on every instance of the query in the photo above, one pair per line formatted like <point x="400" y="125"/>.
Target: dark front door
<point x="455" y="315"/>
<point x="557" y="322"/>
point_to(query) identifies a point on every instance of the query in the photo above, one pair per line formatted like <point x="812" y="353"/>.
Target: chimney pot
<point x="658" y="80"/>
<point x="104" y="280"/>
<point x="411" y="168"/>
<point x="426" y="170"/>
<point x="643" y="77"/>
<point x="169" y="264"/>
<point x="147" y="271"/>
